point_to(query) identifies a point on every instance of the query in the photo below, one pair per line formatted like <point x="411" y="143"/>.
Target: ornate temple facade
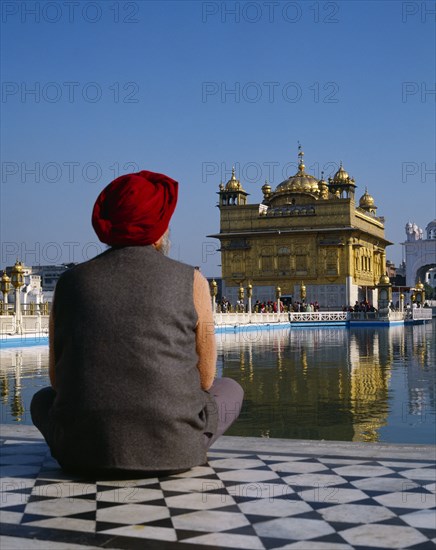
<point x="306" y="231"/>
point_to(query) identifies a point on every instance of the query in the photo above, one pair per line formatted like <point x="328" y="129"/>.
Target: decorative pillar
<point x="349" y="274"/>
<point x="241" y="298"/>
<point x="213" y="293"/>
<point x="384" y="296"/>
<point x="17" y="283"/>
<point x="249" y="295"/>
<point x="5" y="288"/>
<point x="278" y="295"/>
<point x="401" y="302"/>
<point x="303" y="292"/>
<point x="419" y="293"/>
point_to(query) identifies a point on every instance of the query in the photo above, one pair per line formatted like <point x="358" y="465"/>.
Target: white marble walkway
<point x="254" y="494"/>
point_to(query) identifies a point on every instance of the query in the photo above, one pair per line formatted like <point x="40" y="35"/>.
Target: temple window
<point x="301" y="262"/>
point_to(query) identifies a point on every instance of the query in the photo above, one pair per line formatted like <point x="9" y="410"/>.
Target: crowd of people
<point x="225" y="306"/>
<point x="359" y="307"/>
<point x="302" y="307"/>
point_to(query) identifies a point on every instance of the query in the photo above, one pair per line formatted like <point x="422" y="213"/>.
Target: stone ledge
<point x="270" y="445"/>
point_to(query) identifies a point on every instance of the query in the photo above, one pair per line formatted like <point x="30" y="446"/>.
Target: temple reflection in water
<point x="362" y="384"/>
<point x="335" y="384"/>
<point x="22" y="372"/>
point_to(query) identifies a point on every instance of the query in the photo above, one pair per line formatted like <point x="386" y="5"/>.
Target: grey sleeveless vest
<point x="127" y="383"/>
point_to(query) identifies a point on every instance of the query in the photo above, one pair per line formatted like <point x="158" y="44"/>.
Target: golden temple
<point x="306" y="230"/>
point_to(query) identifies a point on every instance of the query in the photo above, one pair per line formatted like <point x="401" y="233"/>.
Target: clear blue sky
<point x="120" y="86"/>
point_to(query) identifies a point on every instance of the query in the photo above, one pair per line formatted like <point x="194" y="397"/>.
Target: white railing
<point x="396" y="316"/>
<point x="226" y="319"/>
<point x="28" y="324"/>
<point x="376" y="316"/>
<point x="249" y="318"/>
<point x="319" y="316"/>
<point x="421" y="313"/>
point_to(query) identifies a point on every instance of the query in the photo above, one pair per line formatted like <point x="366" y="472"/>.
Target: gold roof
<point x="233" y="184"/>
<point x="300" y="182"/>
<point x="366" y="200"/>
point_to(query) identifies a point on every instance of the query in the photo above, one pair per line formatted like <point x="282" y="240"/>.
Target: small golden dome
<point x="341" y="175"/>
<point x="233" y="184"/>
<point x="5" y="278"/>
<point x="419" y="285"/>
<point x="18" y="271"/>
<point x="366" y="200"/>
<point x="322" y="182"/>
<point x="384" y="280"/>
<point x="266" y="188"/>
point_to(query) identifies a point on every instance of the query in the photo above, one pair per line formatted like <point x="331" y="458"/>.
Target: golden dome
<point x="366" y="200"/>
<point x="322" y="182"/>
<point x="300" y="183"/>
<point x="266" y="189"/>
<point x="419" y="285"/>
<point x="341" y="175"/>
<point x="5" y="278"/>
<point x="384" y="280"/>
<point x="233" y="184"/>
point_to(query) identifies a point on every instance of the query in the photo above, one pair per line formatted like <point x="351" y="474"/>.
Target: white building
<point x="420" y="253"/>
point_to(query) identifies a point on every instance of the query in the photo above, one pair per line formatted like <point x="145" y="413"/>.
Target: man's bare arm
<point x="205" y="332"/>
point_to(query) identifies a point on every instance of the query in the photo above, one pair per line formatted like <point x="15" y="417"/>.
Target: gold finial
<point x="213" y="288"/>
<point x="299" y="147"/>
<point x="233" y="173"/>
<point x="301" y="166"/>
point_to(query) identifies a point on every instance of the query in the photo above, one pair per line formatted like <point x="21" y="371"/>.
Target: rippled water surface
<point x="362" y="384"/>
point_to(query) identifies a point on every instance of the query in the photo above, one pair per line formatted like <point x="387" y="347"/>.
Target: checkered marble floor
<point x="303" y="497"/>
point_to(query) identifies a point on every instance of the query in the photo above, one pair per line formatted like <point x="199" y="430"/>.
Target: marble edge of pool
<point x="238" y="444"/>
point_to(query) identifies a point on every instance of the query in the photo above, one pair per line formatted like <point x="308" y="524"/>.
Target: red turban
<point x="135" y="209"/>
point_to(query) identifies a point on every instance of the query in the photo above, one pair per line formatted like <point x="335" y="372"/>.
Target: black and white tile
<point x="241" y="499"/>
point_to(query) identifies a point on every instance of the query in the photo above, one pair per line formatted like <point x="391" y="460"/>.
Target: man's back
<point x="128" y="388"/>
